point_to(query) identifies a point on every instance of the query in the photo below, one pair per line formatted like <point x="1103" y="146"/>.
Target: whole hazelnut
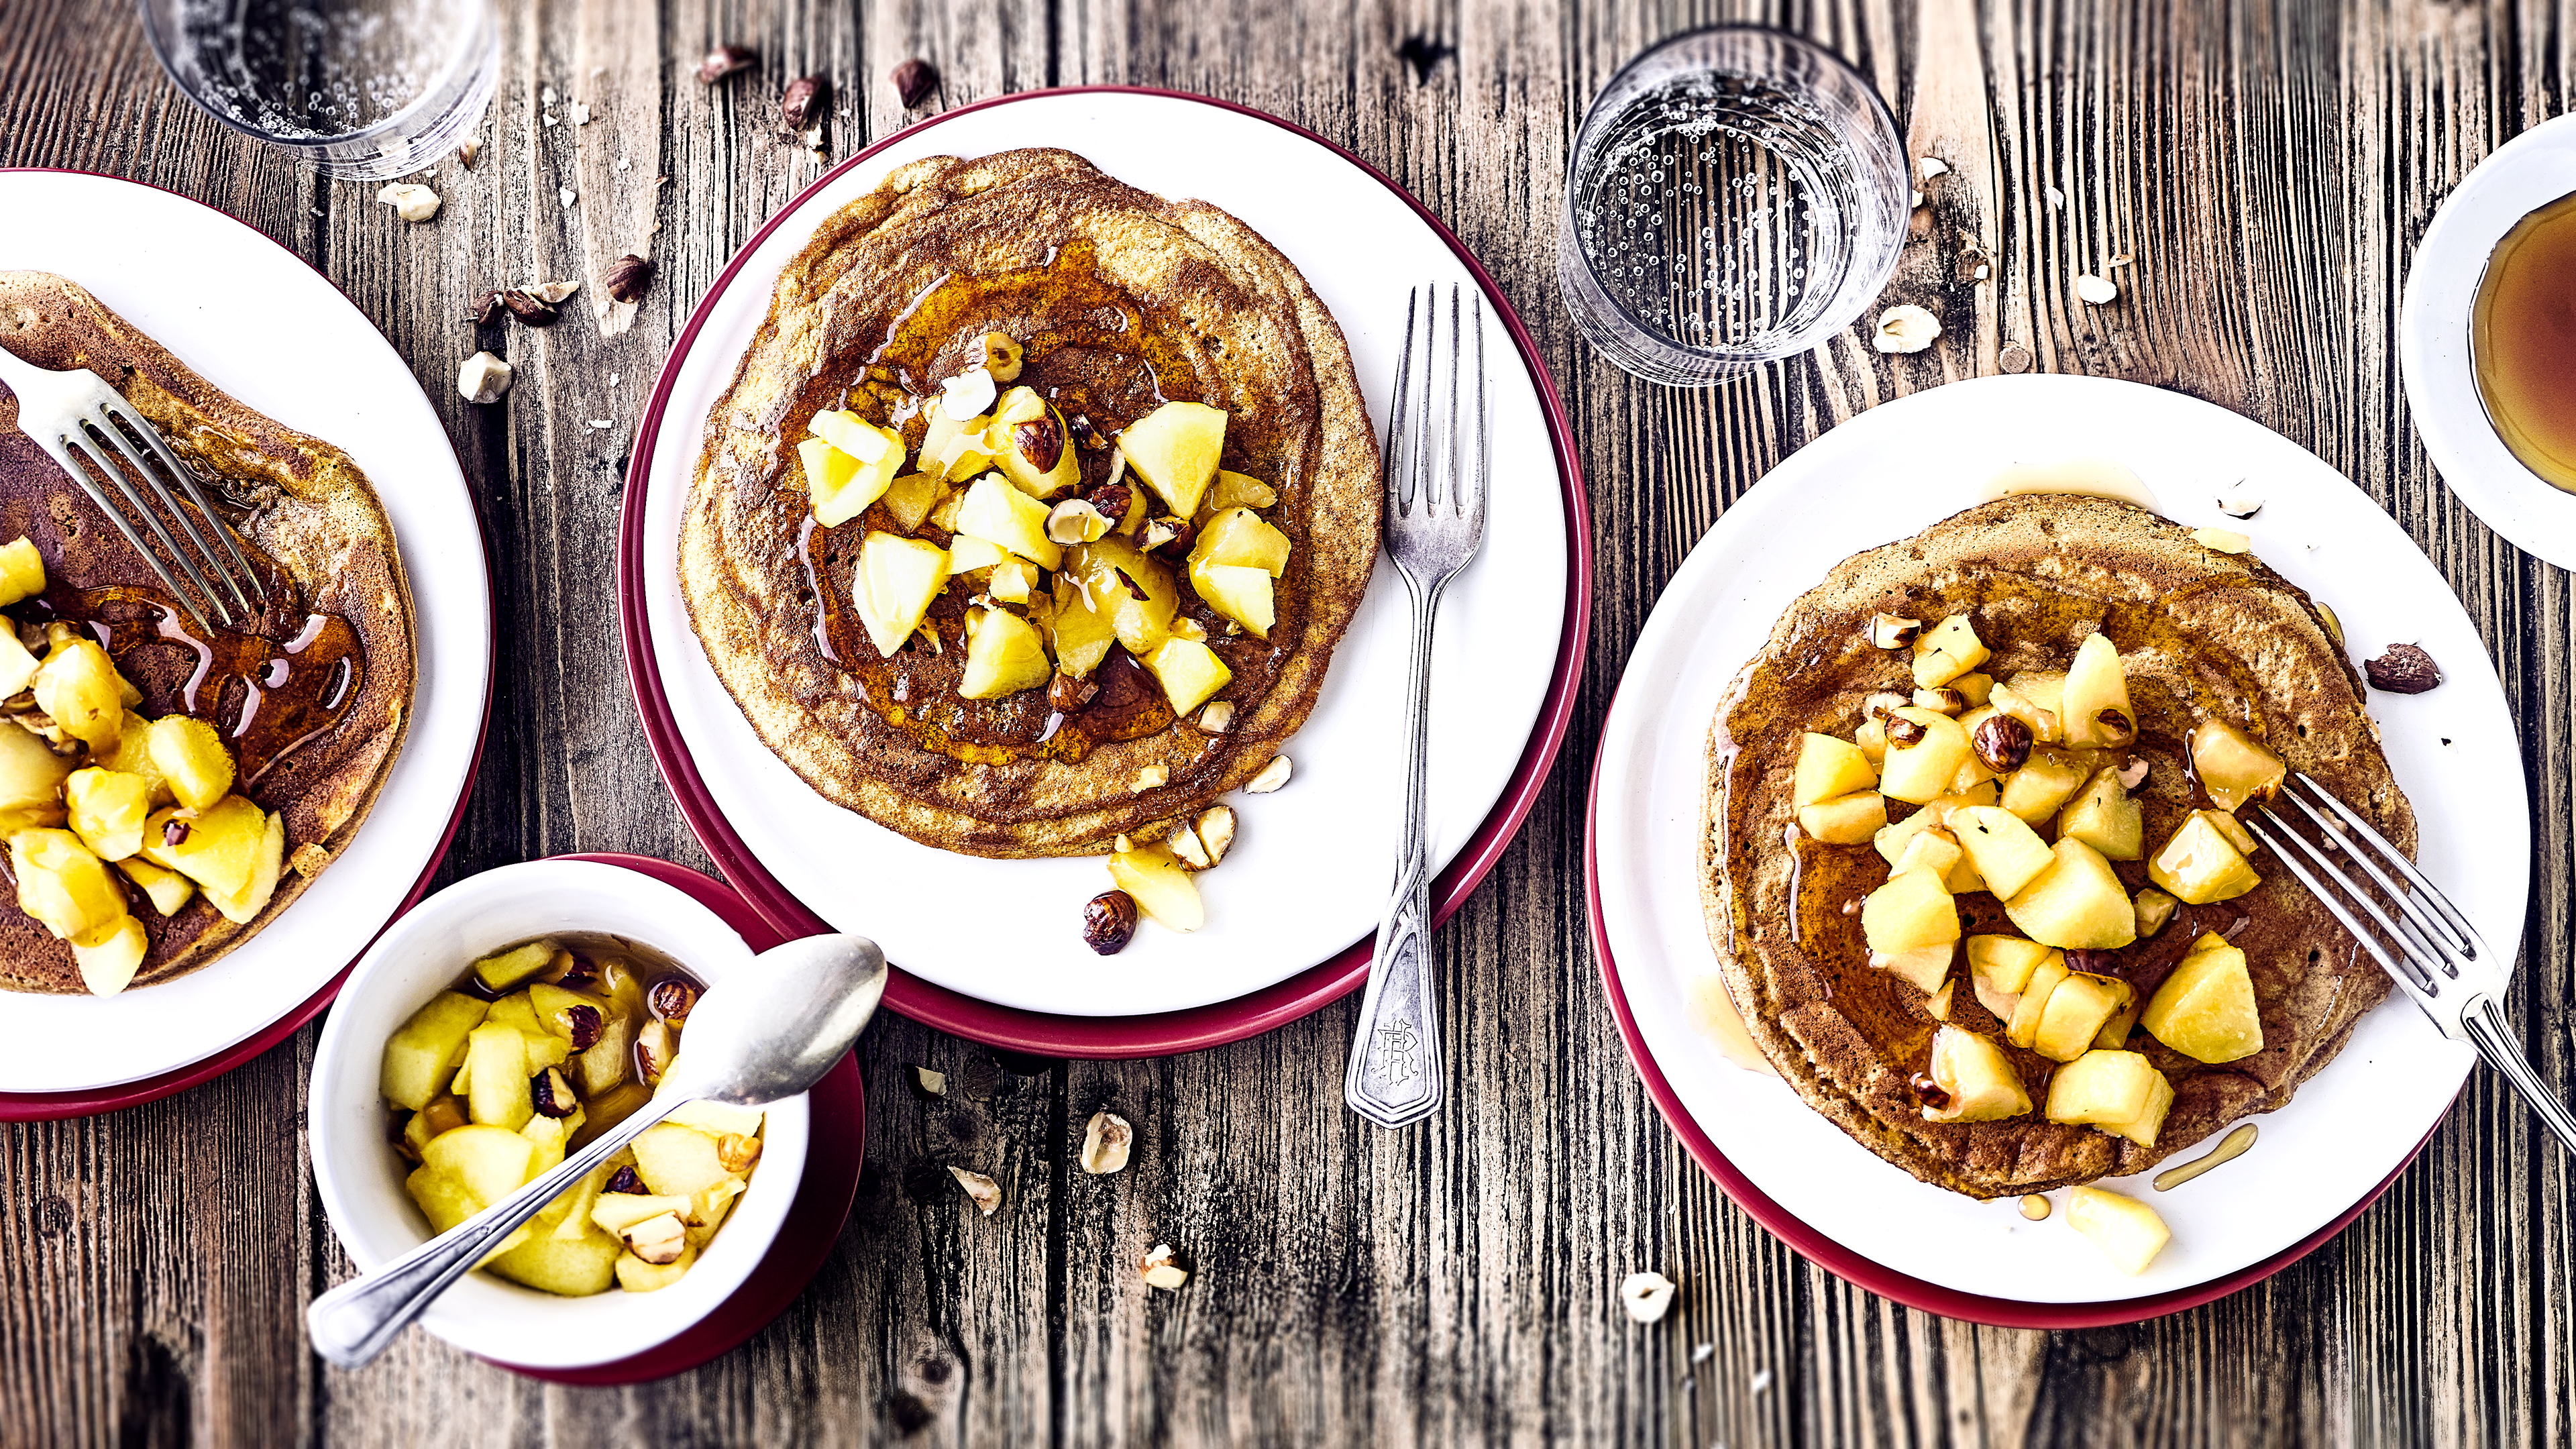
<point x="2404" y="669"/>
<point x="914" y="80"/>
<point x="724" y="60"/>
<point x="2003" y="742"/>
<point x="1109" y="922"/>
<point x="796" y="108"/>
<point x="1931" y="1093"/>
<point x="1040" y="441"/>
<point x="585" y="1024"/>
<point x="672" y="999"/>
<point x="1111" y="499"/>
<point x="628" y="277"/>
<point x="1902" y="732"/>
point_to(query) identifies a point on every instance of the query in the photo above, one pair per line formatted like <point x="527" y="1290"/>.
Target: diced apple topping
<point x="62" y="884"/>
<point x="1912" y="910"/>
<point x="2200" y="864"/>
<point x="1175" y="449"/>
<point x="1847" y="819"/>
<point x="1190" y="672"/>
<point x="1925" y="750"/>
<point x="897" y="580"/>
<point x="1234" y="490"/>
<point x="1079" y="635"/>
<point x="2030" y="1008"/>
<point x="1239" y="592"/>
<point x="2104" y="817"/>
<point x="2094" y="707"/>
<point x="1946" y="651"/>
<point x="109" y="956"/>
<point x="2032" y="697"/>
<point x="2007" y="852"/>
<point x="2155" y="908"/>
<point x="2077" y="903"/>
<point x="1829" y="767"/>
<point x="1160" y="884"/>
<point x="1004" y="657"/>
<point x="1028" y="440"/>
<point x="2075" y="1013"/>
<point x="2118" y="1091"/>
<point x="1979" y="1081"/>
<point x="108" y="809"/>
<point x="80" y="688"/>
<point x="22" y="571"/>
<point x="999" y="513"/>
<point x="17" y="666"/>
<point x="849" y="463"/>
<point x="1927" y="967"/>
<point x="31" y="775"/>
<point x="2049" y="778"/>
<point x="2232" y="767"/>
<point x="1131" y="589"/>
<point x="190" y="757"/>
<point x="909" y="499"/>
<point x="166" y="889"/>
<point x="2127" y="1231"/>
<point x="2206" y="1009"/>
<point x="2000" y="969"/>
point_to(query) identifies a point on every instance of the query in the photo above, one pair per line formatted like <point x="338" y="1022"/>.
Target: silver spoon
<point x="759" y="1036"/>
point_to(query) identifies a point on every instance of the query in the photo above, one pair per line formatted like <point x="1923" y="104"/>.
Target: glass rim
<point x="1583" y="258"/>
<point x="466" y="57"/>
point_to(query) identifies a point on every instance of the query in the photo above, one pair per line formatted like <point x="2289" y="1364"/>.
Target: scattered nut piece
<point x="672" y="999"/>
<point x="628" y="278"/>
<point x="2221" y="540"/>
<point x="1002" y="356"/>
<point x="567" y="195"/>
<point x="2056" y="197"/>
<point x="1216" y="832"/>
<point x="1903" y="732"/>
<point x="624" y="1180"/>
<point x="483" y="378"/>
<point x="2404" y="669"/>
<point x="983" y="1191"/>
<point x="410" y="200"/>
<point x="724" y="60"/>
<point x="586" y="1026"/>
<point x="1165" y="535"/>
<point x="580" y="114"/>
<point x="1905" y="329"/>
<point x="2133" y="774"/>
<point x="1928" y="1091"/>
<point x="2114" y="728"/>
<point x="1647" y="1296"/>
<point x="1184" y="842"/>
<point x="1891" y="631"/>
<point x="1914" y="201"/>
<point x="1105" y="1139"/>
<point x="1076" y="520"/>
<point x="1272" y="776"/>
<point x="1215" y="718"/>
<point x="1883" y="704"/>
<point x="1160" y="1271"/>
<point x="1121" y="843"/>
<point x="553" y="293"/>
<point x="1149" y="778"/>
<point x="966" y="396"/>
<point x="1931" y="166"/>
<point x="1067" y="693"/>
<point x="736" y="1152"/>
<point x="551" y="1094"/>
<point x="1109" y="919"/>
<point x="1944" y="700"/>
<point x="914" y="80"/>
<point x="2240" y="504"/>
<point x="796" y="108"/>
<point x="657" y="1240"/>
<point x="466" y="153"/>
<point x="929" y="1083"/>
<point x="2003" y="743"/>
<point x="2096" y="290"/>
<point x="490" y="311"/>
<point x="2015" y="359"/>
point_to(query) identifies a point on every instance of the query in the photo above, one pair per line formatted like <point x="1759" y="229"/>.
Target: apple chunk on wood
<point x="2206" y="1009"/>
<point x="2006" y="851"/>
<point x="2076" y="903"/>
<point x="1982" y="1082"/>
<point x="1829" y="767"/>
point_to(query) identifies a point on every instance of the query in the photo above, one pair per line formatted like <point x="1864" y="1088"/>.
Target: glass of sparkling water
<point x="1737" y="195"/>
<point x="360" y="89"/>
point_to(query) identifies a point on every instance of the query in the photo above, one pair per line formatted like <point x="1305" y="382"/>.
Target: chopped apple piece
<point x="2000" y="969"/>
<point x="1927" y="769"/>
<point x="1161" y="886"/>
<point x="191" y="757"/>
<point x="1927" y="967"/>
<point x="677" y="1161"/>
<point x="637" y="1276"/>
<point x="31" y="775"/>
<point x="22" y="571"/>
<point x="1014" y="581"/>
<point x="2115" y="1032"/>
<point x="1190" y="672"/>
<point x="1175" y="449"/>
<point x="2154" y="908"/>
<point x="2126" y="1230"/>
<point x="2095" y="687"/>
<point x="79" y="686"/>
<point x="909" y="499"/>
<point x="1079" y="635"/>
<point x="2101" y="1086"/>
<point x="107" y="811"/>
<point x="62" y="884"/>
<point x="490" y="1162"/>
<point x="1134" y="591"/>
<point x="2226" y="824"/>
<point x="1848" y="820"/>
<point x="1947" y="650"/>
<point x="268" y="861"/>
<point x="999" y="513"/>
<point x="1828" y="768"/>
<point x="1937" y="1005"/>
<point x="2232" y="766"/>
<point x="17" y="666"/>
<point x="1004" y="657"/>
<point x="574" y="1267"/>
<point x="1871" y="739"/>
<point x="2105" y="818"/>
<point x="2045" y="782"/>
<point x="2031" y="1006"/>
<point x="2032" y="697"/>
<point x="1235" y="490"/>
<point x="219" y="849"/>
<point x="2206" y="1009"/>
<point x="166" y="889"/>
<point x="496" y="1076"/>
<point x="968" y="554"/>
<point x="955" y="451"/>
<point x="615" y="1212"/>
<point x="1912" y="910"/>
<point x="2075" y="1014"/>
<point x="109" y="956"/>
<point x="1982" y="1082"/>
<point x="898" y="578"/>
<point x="848" y="468"/>
<point x="1977" y="689"/>
<point x="509" y="968"/>
<point x="2077" y="903"/>
<point x="1933" y="846"/>
<point x="1239" y="592"/>
<point x="425" y="1051"/>
<point x="1238" y="537"/>
<point x="2200" y="864"/>
<point x="2144" y="1128"/>
<point x="2007" y="852"/>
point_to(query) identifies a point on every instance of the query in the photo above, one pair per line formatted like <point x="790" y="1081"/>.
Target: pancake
<point x="2201" y="634"/>
<point x="312" y="698"/>
<point x="1122" y="301"/>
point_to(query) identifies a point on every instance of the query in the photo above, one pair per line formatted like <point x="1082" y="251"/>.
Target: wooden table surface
<point x="2270" y="168"/>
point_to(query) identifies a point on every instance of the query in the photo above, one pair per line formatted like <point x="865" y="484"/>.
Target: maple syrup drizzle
<point x="267" y="698"/>
<point x="2229" y="1148"/>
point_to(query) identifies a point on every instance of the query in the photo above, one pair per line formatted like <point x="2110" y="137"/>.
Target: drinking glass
<point x="359" y="89"/>
<point x="1736" y="195"/>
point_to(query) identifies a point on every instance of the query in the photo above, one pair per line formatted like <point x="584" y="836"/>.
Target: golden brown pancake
<point x="1123" y="300"/>
<point x="312" y="698"/>
<point x="2202" y="634"/>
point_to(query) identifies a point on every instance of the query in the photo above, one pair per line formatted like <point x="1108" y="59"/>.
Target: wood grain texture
<point x="2269" y="167"/>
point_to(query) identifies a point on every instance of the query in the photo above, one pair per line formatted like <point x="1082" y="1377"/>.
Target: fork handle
<point x="1395" y="1075"/>
<point x="2484" y="1019"/>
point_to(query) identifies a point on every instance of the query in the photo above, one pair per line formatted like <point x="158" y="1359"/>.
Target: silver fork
<point x="2427" y="946"/>
<point x="101" y="441"/>
<point x="1395" y="1077"/>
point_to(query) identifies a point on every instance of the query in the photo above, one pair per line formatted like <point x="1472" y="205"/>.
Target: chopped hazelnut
<point x="1109" y="919"/>
<point x="796" y="108"/>
<point x="1152" y="777"/>
<point x="552" y="1095"/>
<point x="1905" y="329"/>
<point x="1889" y="631"/>
<point x="1002" y="356"/>
<point x="737" y="1151"/>
<point x="1902" y="732"/>
<point x="1105" y="1140"/>
<point x="1272" y="776"/>
<point x="1076" y="520"/>
<point x="1883" y="704"/>
<point x="1943" y="700"/>
<point x="553" y="293"/>
<point x="914" y="80"/>
<point x="1184" y="842"/>
<point x="929" y="1083"/>
<point x="483" y="378"/>
<point x="628" y="277"/>
<point x="2096" y="290"/>
<point x="1216" y="832"/>
<point x="1216" y="717"/>
<point x="982" y="1191"/>
<point x="2133" y="774"/>
<point x="2003" y="743"/>
<point x="657" y="1240"/>
<point x="724" y="60"/>
<point x="2240" y="504"/>
<point x="410" y="200"/>
<point x="1161" y="1271"/>
<point x="1647" y="1296"/>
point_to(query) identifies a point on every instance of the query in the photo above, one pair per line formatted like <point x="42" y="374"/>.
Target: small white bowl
<point x="361" y="1175"/>
<point x="2524" y="175"/>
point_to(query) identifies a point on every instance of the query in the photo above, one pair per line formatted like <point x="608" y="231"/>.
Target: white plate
<point x="1894" y="471"/>
<point x="1311" y="872"/>
<point x="2524" y="175"/>
<point x="216" y="293"/>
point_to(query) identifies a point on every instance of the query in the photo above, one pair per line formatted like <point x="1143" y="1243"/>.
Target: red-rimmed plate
<point x="342" y="381"/>
<point x="1307" y="880"/>
<point x="2319" y="1160"/>
<point x="838" y="1150"/>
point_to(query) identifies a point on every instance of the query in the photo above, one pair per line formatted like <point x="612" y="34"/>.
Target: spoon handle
<point x="352" y="1323"/>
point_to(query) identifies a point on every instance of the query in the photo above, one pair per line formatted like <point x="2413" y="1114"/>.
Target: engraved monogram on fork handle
<point x="1395" y="1077"/>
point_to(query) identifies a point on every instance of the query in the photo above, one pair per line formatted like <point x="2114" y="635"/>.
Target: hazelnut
<point x="1883" y="705"/>
<point x="982" y="1191"/>
<point x="530" y="308"/>
<point x="928" y="1083"/>
<point x="552" y="1094"/>
<point x="1069" y="693"/>
<point x="1161" y="1270"/>
<point x="1184" y="842"/>
<point x="553" y="293"/>
<point x="1039" y="440"/>
<point x="2404" y="669"/>
<point x="1647" y="1296"/>
<point x="1272" y="776"/>
<point x="2003" y="742"/>
<point x="1002" y="358"/>
<point x="796" y="108"/>
<point x="1109" y="922"/>
<point x="1170" y="537"/>
<point x="175" y="833"/>
<point x="1216" y="832"/>
<point x="1905" y="329"/>
<point x="628" y="277"/>
<point x="1943" y="700"/>
<point x="658" y="1240"/>
<point x="1112" y="499"/>
<point x="2133" y="774"/>
<point x="1105" y="1140"/>
<point x="2096" y="962"/>
<point x="466" y="153"/>
<point x="410" y="200"/>
<point x="914" y="80"/>
<point x="624" y="1180"/>
<point x="585" y="1024"/>
<point x="737" y="1151"/>
<point x="1887" y="631"/>
<point x="483" y="378"/>
<point x="1075" y="520"/>
<point x="724" y="60"/>
<point x="2096" y="290"/>
<point x="1929" y="1092"/>
<point x="1215" y="718"/>
<point x="672" y="999"/>
<point x="2115" y="728"/>
<point x="2240" y="504"/>
<point x="1902" y="732"/>
<point x="489" y="312"/>
<point x="1152" y="777"/>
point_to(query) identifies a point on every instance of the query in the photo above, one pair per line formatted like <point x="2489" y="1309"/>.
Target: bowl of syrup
<point x="2485" y="338"/>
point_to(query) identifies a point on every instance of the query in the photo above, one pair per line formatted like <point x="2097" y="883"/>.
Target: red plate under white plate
<point x="1873" y="480"/>
<point x="327" y="372"/>
<point x="991" y="950"/>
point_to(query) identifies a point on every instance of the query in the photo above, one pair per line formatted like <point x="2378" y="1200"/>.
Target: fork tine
<point x="2425" y="889"/>
<point x="1417" y="470"/>
<point x="1454" y="492"/>
<point x="2429" y="929"/>
<point x="1399" y="438"/>
<point x="78" y="448"/>
<point x="105" y="432"/>
<point x="187" y="479"/>
<point x="1484" y="435"/>
<point x="2411" y="971"/>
